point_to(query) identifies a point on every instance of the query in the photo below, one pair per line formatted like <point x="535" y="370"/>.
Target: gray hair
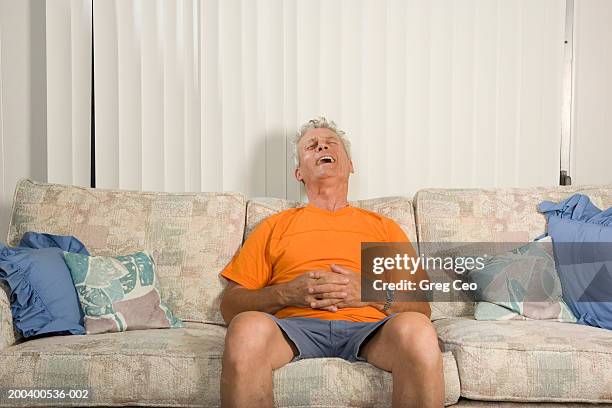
<point x="317" y="123"/>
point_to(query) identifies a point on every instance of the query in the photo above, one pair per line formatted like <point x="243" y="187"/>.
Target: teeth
<point x="321" y="159"/>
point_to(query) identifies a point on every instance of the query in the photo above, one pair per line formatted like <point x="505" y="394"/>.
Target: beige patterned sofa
<point x="194" y="235"/>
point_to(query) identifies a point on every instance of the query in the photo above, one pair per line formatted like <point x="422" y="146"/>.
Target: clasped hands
<point x="320" y="289"/>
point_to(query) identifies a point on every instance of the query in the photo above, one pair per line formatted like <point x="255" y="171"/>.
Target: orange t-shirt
<point x="299" y="240"/>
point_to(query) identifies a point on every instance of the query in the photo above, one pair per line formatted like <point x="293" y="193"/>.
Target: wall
<point x="592" y="116"/>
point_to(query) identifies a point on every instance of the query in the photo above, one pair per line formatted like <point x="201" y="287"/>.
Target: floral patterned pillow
<point x="521" y="285"/>
<point x="119" y="293"/>
<point x="492" y="311"/>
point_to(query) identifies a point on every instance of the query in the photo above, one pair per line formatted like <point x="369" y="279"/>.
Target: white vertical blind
<point x="147" y="79"/>
<point x="211" y="147"/>
<point x="4" y="196"/>
<point x="152" y="114"/>
<point x="206" y="95"/>
<point x="23" y="150"/>
<point x="592" y="116"/>
<point x="68" y="55"/>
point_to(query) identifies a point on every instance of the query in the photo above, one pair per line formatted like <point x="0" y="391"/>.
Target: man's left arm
<point x="418" y="301"/>
<point x="398" y="305"/>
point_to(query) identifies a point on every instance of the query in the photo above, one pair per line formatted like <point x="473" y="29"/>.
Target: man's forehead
<point x="318" y="133"/>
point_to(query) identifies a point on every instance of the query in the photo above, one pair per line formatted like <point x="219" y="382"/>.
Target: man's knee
<point x="248" y="336"/>
<point x="415" y="337"/>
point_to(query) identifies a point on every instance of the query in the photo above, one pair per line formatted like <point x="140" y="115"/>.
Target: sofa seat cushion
<point x="530" y="360"/>
<point x="467" y="403"/>
<point x="333" y="382"/>
<point x="170" y="367"/>
<point x="182" y="367"/>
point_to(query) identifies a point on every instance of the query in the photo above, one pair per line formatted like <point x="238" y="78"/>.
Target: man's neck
<point x="328" y="197"/>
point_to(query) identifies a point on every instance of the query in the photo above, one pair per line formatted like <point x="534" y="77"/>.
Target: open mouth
<point x="325" y="160"/>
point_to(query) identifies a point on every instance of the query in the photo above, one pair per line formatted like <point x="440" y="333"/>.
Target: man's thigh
<point x="382" y="348"/>
<point x="257" y="332"/>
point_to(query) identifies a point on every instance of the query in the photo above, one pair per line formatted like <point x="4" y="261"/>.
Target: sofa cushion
<point x="43" y="297"/>
<point x="579" y="230"/>
<point x="178" y="367"/>
<point x="467" y="403"/>
<point x="182" y="367"/>
<point x="8" y="332"/>
<point x="492" y="311"/>
<point x="192" y="236"/>
<point x="529" y="360"/>
<point x="333" y="382"/>
<point x="119" y="293"/>
<point x="487" y="215"/>
<point x="399" y="209"/>
<point x="522" y="281"/>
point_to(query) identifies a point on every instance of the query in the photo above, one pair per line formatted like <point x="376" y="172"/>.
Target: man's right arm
<point x="237" y="299"/>
<point x="270" y="299"/>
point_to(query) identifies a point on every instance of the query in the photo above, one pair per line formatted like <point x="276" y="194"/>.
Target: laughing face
<point x="322" y="156"/>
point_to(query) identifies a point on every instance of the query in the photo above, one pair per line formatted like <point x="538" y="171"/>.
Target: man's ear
<point x="352" y="169"/>
<point x="298" y="175"/>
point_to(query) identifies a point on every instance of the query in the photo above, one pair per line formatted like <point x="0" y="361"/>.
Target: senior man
<point x="294" y="290"/>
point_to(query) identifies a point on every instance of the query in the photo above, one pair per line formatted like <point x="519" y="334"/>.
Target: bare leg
<point x="254" y="346"/>
<point x="407" y="346"/>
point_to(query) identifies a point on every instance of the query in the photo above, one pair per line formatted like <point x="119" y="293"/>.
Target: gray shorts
<point x="315" y="338"/>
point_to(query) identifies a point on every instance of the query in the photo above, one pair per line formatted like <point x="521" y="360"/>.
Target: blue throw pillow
<point x="38" y="240"/>
<point x="43" y="298"/>
<point x="582" y="242"/>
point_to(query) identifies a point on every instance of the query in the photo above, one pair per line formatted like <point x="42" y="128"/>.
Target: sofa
<point x="192" y="236"/>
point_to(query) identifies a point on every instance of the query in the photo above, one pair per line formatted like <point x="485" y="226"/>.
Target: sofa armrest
<point x="8" y="337"/>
